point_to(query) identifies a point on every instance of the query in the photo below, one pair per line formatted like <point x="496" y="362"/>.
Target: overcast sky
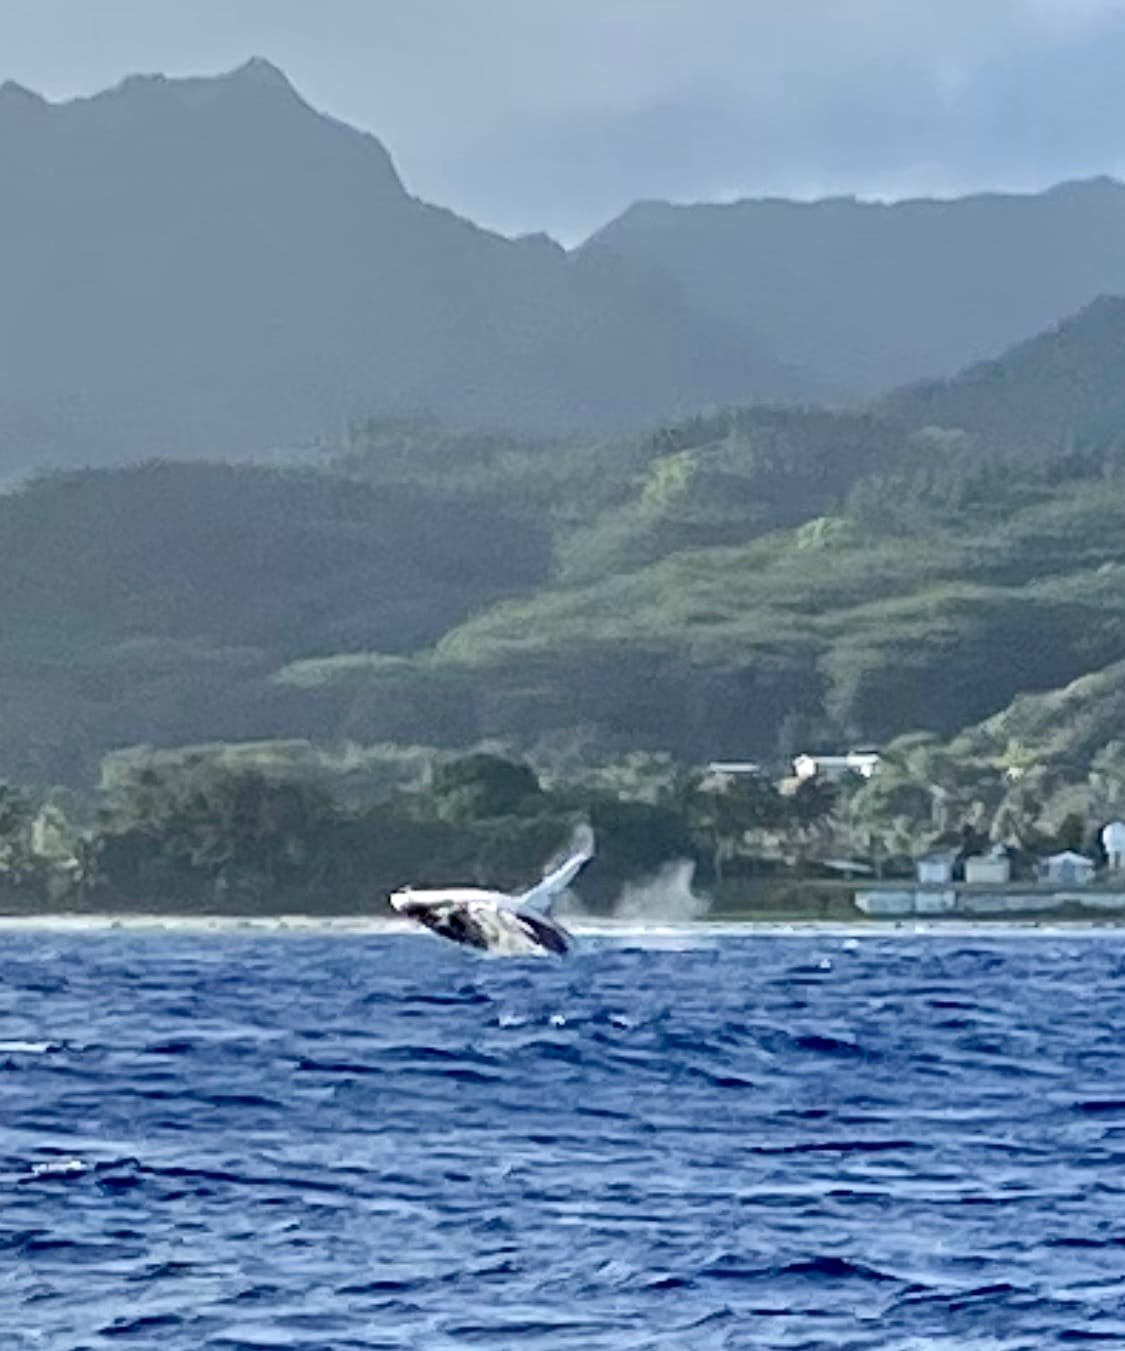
<point x="556" y="114"/>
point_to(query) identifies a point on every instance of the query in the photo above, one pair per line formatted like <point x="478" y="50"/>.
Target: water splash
<point x="667" y="896"/>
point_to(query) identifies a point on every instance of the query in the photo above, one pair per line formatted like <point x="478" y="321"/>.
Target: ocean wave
<point x="355" y="1138"/>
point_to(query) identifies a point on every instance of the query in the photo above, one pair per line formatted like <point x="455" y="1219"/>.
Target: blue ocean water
<point x="234" y="1141"/>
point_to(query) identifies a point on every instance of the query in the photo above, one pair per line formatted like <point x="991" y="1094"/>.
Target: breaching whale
<point x="494" y="921"/>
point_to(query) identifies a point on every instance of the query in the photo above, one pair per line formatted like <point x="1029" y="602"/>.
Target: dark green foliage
<point x="728" y="479"/>
<point x="153" y="603"/>
<point x="289" y="561"/>
<point x="213" y="834"/>
<point x="200" y="830"/>
<point x="1065" y="387"/>
<point x="481" y="786"/>
<point x="722" y="816"/>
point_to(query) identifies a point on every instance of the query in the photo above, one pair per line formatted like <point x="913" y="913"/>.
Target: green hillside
<point x="845" y="627"/>
<point x="741" y="584"/>
<point x="1065" y="386"/>
<point x="153" y="603"/>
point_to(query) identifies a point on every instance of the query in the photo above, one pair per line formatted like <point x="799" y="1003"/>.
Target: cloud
<point x="537" y="114"/>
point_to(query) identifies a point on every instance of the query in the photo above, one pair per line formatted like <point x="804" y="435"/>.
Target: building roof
<point x="847" y="865"/>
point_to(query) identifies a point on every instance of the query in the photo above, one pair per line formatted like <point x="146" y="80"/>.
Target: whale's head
<point x="405" y="902"/>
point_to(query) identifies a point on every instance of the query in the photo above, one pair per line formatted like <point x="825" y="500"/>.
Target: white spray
<point x="664" y="897"/>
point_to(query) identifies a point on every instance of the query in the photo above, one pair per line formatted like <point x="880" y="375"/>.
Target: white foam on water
<point x="28" y="1047"/>
<point x="652" y="927"/>
<point x="200" y="924"/>
<point x="60" y="1168"/>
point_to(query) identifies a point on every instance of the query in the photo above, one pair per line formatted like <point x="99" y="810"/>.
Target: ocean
<point x="685" y="1139"/>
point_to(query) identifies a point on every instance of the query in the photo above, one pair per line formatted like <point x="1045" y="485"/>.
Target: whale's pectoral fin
<point x="549" y="937"/>
<point x="544" y="894"/>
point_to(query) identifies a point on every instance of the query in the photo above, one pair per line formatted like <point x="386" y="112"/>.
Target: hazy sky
<point x="555" y="114"/>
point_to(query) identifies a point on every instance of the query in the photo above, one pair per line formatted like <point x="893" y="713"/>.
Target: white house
<point x="989" y="869"/>
<point x="722" y="775"/>
<point x="1113" y="842"/>
<point x="935" y="902"/>
<point x="885" y="902"/>
<point x="863" y="763"/>
<point x="935" y="869"/>
<point x="1067" y="868"/>
<point x="736" y="769"/>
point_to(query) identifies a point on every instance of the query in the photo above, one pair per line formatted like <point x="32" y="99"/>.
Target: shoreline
<point x="63" y="922"/>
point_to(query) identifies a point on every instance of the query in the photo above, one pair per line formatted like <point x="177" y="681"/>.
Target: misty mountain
<point x="865" y="296"/>
<point x="1064" y="385"/>
<point x="209" y="266"/>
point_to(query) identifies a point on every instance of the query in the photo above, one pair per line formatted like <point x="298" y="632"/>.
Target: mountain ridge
<point x="209" y="266"/>
<point x="869" y="295"/>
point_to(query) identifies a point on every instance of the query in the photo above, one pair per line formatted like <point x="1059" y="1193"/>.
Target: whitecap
<point x="59" y="1168"/>
<point x="27" y="1047"/>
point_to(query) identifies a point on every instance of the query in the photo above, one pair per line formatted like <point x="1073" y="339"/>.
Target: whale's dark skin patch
<point x="547" y="935"/>
<point x="449" y="922"/>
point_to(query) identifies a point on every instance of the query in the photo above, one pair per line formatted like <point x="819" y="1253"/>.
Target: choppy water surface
<point x="232" y="1141"/>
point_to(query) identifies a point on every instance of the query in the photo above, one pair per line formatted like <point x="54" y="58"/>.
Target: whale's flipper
<point x="544" y="894"/>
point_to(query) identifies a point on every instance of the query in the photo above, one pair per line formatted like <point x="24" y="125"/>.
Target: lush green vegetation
<point x="940" y="572"/>
<point x="286" y="827"/>
<point x="153" y="603"/>
<point x="742" y="585"/>
<point x="669" y="592"/>
<point x="929" y="597"/>
<point x="277" y="827"/>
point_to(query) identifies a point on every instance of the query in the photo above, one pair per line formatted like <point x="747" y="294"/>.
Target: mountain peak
<point x="262" y="73"/>
<point x="254" y="77"/>
<point x="18" y="98"/>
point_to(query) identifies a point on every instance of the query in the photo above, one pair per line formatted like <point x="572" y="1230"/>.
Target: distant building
<point x="1113" y="842"/>
<point x="935" y="902"/>
<point x="848" y="867"/>
<point x="736" y="769"/>
<point x="831" y="767"/>
<point x="722" y="775"/>
<point x="936" y="869"/>
<point x="885" y="902"/>
<point x="1067" y="869"/>
<point x="991" y="869"/>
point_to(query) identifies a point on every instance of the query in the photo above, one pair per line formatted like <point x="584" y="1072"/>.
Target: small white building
<point x="722" y="775"/>
<point x="736" y="769"/>
<point x="831" y="767"/>
<point x="988" y="870"/>
<point x="885" y="902"/>
<point x="935" y="869"/>
<point x="935" y="902"/>
<point x="1068" y="869"/>
<point x="1113" y="842"/>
